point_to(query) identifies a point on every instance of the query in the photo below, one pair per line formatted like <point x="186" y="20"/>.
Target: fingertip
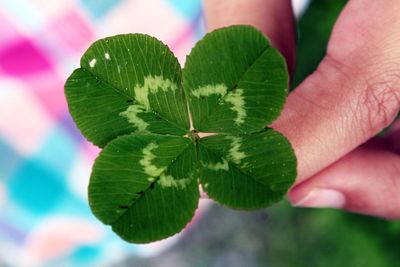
<point x="365" y="181"/>
<point x="318" y="198"/>
<point x="273" y="17"/>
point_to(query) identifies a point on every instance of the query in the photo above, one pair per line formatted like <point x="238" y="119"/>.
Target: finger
<point x="273" y="17"/>
<point x="365" y="181"/>
<point x="354" y="93"/>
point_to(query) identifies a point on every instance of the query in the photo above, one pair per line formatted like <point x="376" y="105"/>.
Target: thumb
<point x="366" y="180"/>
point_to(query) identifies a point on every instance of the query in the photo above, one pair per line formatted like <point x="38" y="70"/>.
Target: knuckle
<point x="379" y="101"/>
<point x="375" y="89"/>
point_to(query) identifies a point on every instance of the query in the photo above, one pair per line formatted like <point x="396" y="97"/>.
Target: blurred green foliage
<point x="330" y="238"/>
<point x="314" y="29"/>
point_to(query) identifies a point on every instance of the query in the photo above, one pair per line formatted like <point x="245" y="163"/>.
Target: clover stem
<point x="193" y="134"/>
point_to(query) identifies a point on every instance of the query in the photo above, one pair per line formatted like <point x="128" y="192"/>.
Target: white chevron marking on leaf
<point x="219" y="89"/>
<point x="234" y="151"/>
<point x="152" y="84"/>
<point x="131" y="113"/>
<point x="169" y="181"/>
<point x="148" y="156"/>
<point x="218" y="166"/>
<point x="237" y="100"/>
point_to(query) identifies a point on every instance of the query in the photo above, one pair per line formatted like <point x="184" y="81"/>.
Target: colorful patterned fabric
<point x="44" y="161"/>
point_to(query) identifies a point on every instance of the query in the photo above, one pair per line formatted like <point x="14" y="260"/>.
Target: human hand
<point x="331" y="118"/>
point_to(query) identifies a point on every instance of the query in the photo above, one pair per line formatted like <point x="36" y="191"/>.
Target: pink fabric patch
<point x="8" y="31"/>
<point x="58" y="236"/>
<point x="23" y="121"/>
<point x="91" y="150"/>
<point x="71" y="32"/>
<point x="22" y="58"/>
<point x="49" y="88"/>
<point x="182" y="45"/>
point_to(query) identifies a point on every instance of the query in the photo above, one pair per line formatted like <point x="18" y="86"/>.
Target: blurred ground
<point x="281" y="237"/>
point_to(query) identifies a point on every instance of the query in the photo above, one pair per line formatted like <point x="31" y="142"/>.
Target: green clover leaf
<point x="127" y="83"/>
<point x="130" y="98"/>
<point x="235" y="81"/>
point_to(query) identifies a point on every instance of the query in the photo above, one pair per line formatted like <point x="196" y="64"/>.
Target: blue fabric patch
<point x="188" y="8"/>
<point x="74" y="206"/>
<point x="71" y="128"/>
<point x="58" y="151"/>
<point x="85" y="254"/>
<point x="99" y="8"/>
<point x="36" y="187"/>
<point x="9" y="159"/>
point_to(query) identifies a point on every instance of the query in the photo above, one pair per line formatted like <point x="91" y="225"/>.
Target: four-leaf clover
<point x="131" y="98"/>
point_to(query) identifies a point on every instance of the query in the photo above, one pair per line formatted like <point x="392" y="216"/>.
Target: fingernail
<point x="322" y="198"/>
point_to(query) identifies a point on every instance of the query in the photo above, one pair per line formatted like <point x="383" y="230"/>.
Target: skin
<point x="332" y="117"/>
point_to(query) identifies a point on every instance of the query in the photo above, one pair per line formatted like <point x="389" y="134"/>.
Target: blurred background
<point x="45" y="163"/>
